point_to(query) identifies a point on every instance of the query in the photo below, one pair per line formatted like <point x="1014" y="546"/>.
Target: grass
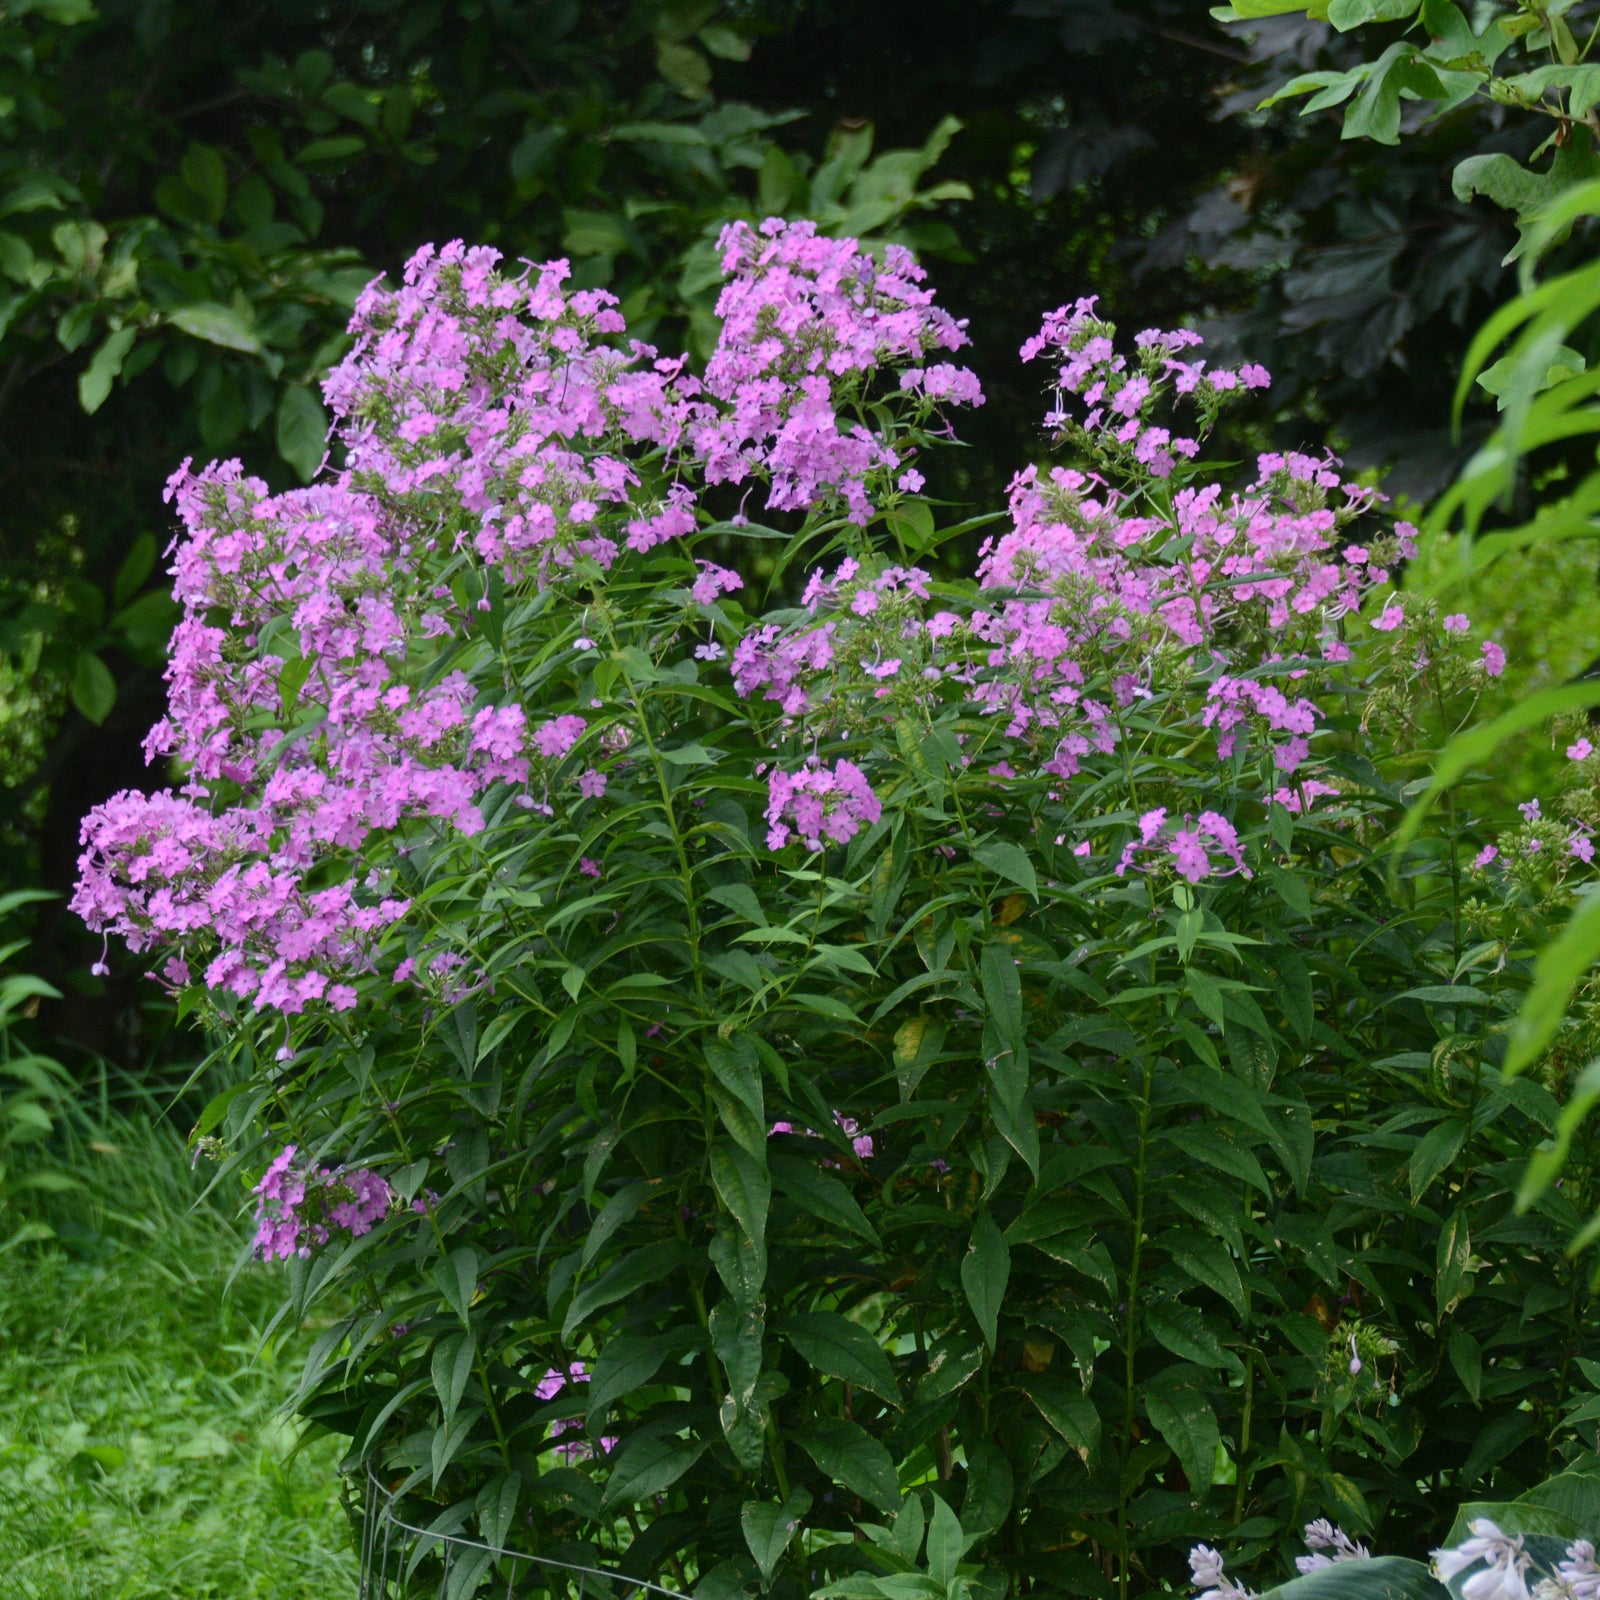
<point x="140" y="1454"/>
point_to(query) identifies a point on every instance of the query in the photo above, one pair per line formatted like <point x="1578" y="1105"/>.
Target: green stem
<point x="1130" y="1339"/>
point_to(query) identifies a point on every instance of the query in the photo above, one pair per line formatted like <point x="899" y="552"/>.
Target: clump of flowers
<point x="819" y="802"/>
<point x="300" y="1207"/>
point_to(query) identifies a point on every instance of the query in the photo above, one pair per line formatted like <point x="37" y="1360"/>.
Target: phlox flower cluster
<point x="807" y="321"/>
<point x="303" y="704"/>
<point x="819" y="802"/>
<point x="1554" y="847"/>
<point x="299" y="1206"/>
<point x="1187" y="847"/>
<point x="1120" y="396"/>
<point x="873" y="644"/>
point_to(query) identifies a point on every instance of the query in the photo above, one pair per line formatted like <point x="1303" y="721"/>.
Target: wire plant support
<point x="394" y="1550"/>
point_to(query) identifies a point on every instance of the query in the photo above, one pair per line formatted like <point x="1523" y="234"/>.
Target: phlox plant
<point x="904" y="1084"/>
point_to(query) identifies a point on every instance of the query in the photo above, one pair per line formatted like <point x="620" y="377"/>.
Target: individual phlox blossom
<point x="1494" y="658"/>
<point x="1581" y="750"/>
<point x="588" y="867"/>
<point x="1390" y="617"/>
<point x="1210" y="1577"/>
<point x="1457" y="622"/>
<point x="1189" y="847"/>
<point x="555" y="739"/>
<point x="1329" y="1545"/>
<point x="819" y="803"/>
<point x="1530" y="810"/>
<point x="1582" y="846"/>
<point x="1505" y="1563"/>
<point x="592" y="784"/>
<point x="713" y="580"/>
<point x="1486" y="855"/>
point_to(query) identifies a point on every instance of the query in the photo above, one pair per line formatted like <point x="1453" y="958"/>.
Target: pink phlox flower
<point x="1494" y="658"/>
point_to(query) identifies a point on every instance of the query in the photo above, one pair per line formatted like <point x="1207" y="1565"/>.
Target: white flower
<point x="1206" y="1565"/>
<point x="1505" y="1564"/>
<point x="1324" y="1535"/>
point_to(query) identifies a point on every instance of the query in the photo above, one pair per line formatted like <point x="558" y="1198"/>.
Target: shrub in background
<point x="929" y="1089"/>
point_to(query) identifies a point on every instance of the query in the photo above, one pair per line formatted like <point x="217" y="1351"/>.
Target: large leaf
<point x="647" y="1464"/>
<point x="769" y="1528"/>
<point x="1380" y="1578"/>
<point x="302" y="430"/>
<point x="849" y="1455"/>
<point x="1183" y="1417"/>
<point x="217" y="324"/>
<point x="985" y="1270"/>
<point x="842" y="1349"/>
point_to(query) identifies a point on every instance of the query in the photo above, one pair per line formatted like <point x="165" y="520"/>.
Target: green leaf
<point x="1182" y="1330"/>
<point x="769" y="1528"/>
<point x="843" y="1349"/>
<point x="457" y="1278"/>
<point x="1471" y="748"/>
<point x="1466" y="1356"/>
<point x="1180" y="1413"/>
<point x="985" y="1269"/>
<point x="645" y="1465"/>
<point x="743" y="1187"/>
<point x="452" y="1367"/>
<point x="94" y="382"/>
<point x="1380" y="1578"/>
<point x="1348" y="14"/>
<point x="648" y="1265"/>
<point x="819" y="1194"/>
<point x="216" y="324"/>
<point x="849" y="1455"/>
<point x="619" y="1209"/>
<point x="1069" y="1411"/>
<point x="1010" y="862"/>
<point x="991" y="1488"/>
<point x="1436" y="1149"/>
<point x="94" y="690"/>
<point x="1209" y="1262"/>
<point x="302" y="432"/>
<point x="627" y="1362"/>
<point x="1454" y="1255"/>
<point x="946" y="1542"/>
